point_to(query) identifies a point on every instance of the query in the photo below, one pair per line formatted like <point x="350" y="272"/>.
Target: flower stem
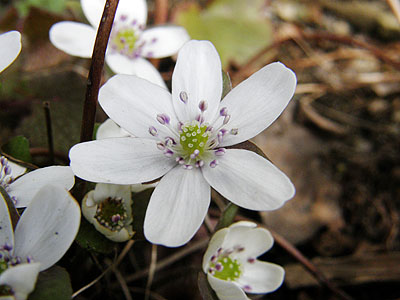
<point x="50" y="142"/>
<point x="96" y="69"/>
<point x="227" y="216"/>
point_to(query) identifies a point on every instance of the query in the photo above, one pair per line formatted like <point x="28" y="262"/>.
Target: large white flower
<point x="231" y="265"/>
<point x="43" y="234"/>
<point x="129" y="42"/>
<point x="23" y="187"/>
<point x="10" y="47"/>
<point x="184" y="136"/>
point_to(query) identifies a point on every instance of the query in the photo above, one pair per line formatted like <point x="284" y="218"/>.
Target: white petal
<point x="76" y="39"/>
<point x="48" y="226"/>
<point x="133" y="103"/>
<point x="256" y="102"/>
<point x="16" y="170"/>
<point x="10" y="47"/>
<point x="121" y="64"/>
<point x="89" y="206"/>
<point x="132" y="9"/>
<point x="197" y="73"/>
<point x="6" y="230"/>
<point x="109" y="129"/>
<point x="249" y="180"/>
<point x="21" y="278"/>
<point x="177" y="207"/>
<point x="226" y="290"/>
<point x="26" y="187"/>
<point x="163" y="41"/>
<point x="255" y="241"/>
<point x="261" y="277"/>
<point x="214" y="244"/>
<point x="119" y="161"/>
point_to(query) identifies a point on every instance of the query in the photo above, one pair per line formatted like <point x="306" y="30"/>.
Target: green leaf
<point x="228" y="216"/>
<point x="18" y="147"/>
<point x="89" y="238"/>
<point x="56" y="6"/>
<point x="53" y="283"/>
<point x="139" y="207"/>
<point x="237" y="28"/>
<point x="206" y="292"/>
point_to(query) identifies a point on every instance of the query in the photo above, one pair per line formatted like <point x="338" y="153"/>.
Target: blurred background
<point x="338" y="140"/>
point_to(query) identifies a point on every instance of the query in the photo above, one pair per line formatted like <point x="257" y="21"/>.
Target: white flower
<point x="43" y="234"/>
<point x="10" y="47"/>
<point x="231" y="265"/>
<point x="23" y="187"/>
<point x="183" y="137"/>
<point x="109" y="208"/>
<point x="129" y="40"/>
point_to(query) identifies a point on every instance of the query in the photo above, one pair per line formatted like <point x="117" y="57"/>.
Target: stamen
<point x="160" y="146"/>
<point x="203" y="105"/>
<point x="183" y="96"/>
<point x="168" y="153"/>
<point x="214" y="163"/>
<point x="234" y="131"/>
<point x="163" y="119"/>
<point x="153" y="131"/>
<point x="226" y="119"/>
<point x="220" y="152"/>
<point x="223" y="112"/>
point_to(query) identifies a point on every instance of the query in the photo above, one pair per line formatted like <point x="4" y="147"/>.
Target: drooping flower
<point x="231" y="265"/>
<point x="23" y="187"/>
<point x="43" y="234"/>
<point x="10" y="47"/>
<point x="109" y="208"/>
<point x="184" y="138"/>
<point x="130" y="43"/>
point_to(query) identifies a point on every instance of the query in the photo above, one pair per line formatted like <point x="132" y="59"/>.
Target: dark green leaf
<point x="89" y="238"/>
<point x="206" y="292"/>
<point x="53" y="283"/>
<point x="228" y="216"/>
<point x="18" y="147"/>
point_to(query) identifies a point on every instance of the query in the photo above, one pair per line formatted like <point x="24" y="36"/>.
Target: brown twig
<point x="161" y="12"/>
<point x="96" y="70"/>
<point x="152" y="271"/>
<point x="46" y="108"/>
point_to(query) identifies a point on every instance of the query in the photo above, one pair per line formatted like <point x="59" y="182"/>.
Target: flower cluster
<point x="130" y="42"/>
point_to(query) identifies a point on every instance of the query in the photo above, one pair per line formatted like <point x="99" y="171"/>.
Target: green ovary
<point x="230" y="269"/>
<point x="125" y="40"/>
<point x="111" y="207"/>
<point x="194" y="137"/>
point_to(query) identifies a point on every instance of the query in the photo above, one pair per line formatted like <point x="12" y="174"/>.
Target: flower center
<point x="226" y="268"/>
<point x="124" y="40"/>
<point x="193" y="138"/>
<point x="111" y="213"/>
<point x="6" y="290"/>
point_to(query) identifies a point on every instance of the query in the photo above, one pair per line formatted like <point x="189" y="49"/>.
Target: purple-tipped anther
<point x="247" y="288"/>
<point x="153" y="131"/>
<point x="251" y="260"/>
<point x="199" y="163"/>
<point x="163" y="119"/>
<point x="220" y="152"/>
<point x="168" y="153"/>
<point x="219" y="267"/>
<point x="123" y="17"/>
<point x="160" y="146"/>
<point x="169" y="141"/>
<point x="183" y="96"/>
<point x="223" y="112"/>
<point x="203" y="105"/>
<point x="7" y="170"/>
<point x="115" y="218"/>
<point x="234" y="131"/>
<point x="226" y="119"/>
<point x="7" y="247"/>
<point x="187" y="167"/>
<point x="195" y="154"/>
<point x="214" y="163"/>
<point x="200" y="118"/>
<point x="180" y="160"/>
